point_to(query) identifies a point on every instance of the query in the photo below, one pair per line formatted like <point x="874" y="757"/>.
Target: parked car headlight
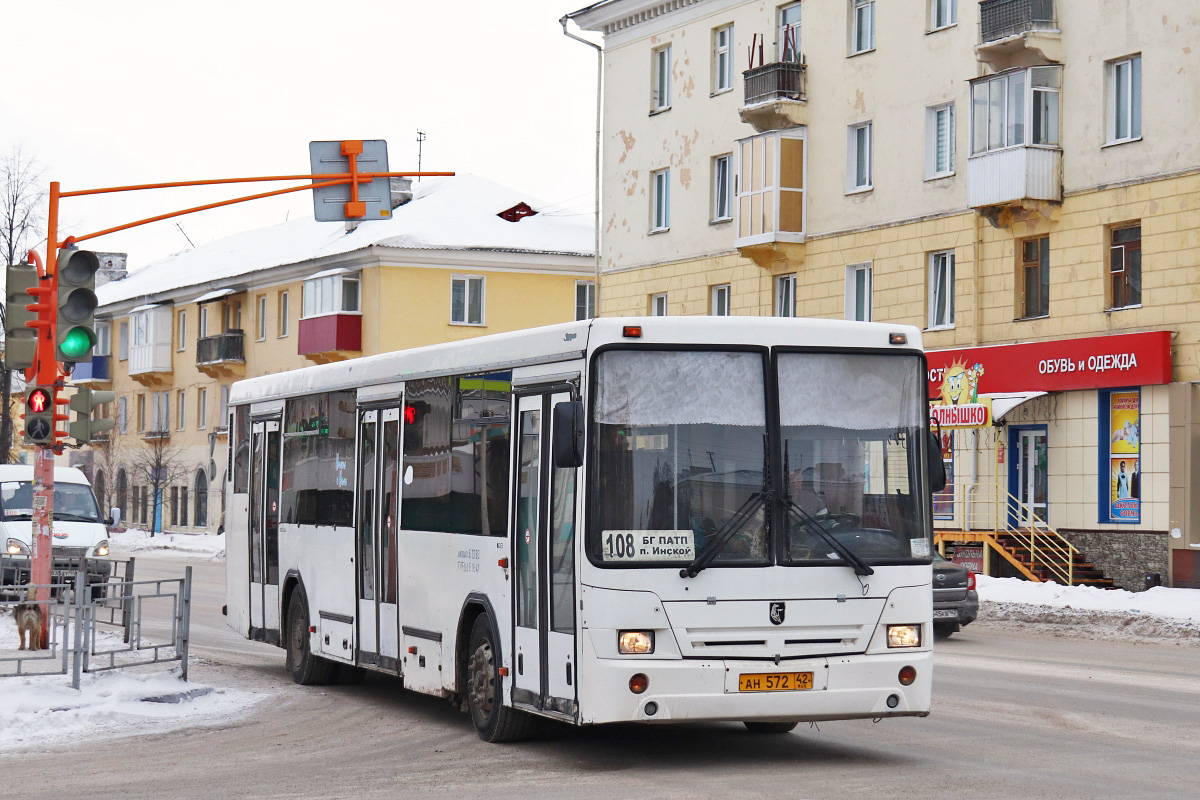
<point x="16" y="547"/>
<point x="101" y="549"/>
<point x="904" y="635"/>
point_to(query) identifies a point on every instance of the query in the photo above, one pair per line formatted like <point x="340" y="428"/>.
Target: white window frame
<point x="181" y="332"/>
<point x="854" y="135"/>
<point x="862" y="41"/>
<point x="660" y="200"/>
<point x="202" y="322"/>
<point x="123" y="414"/>
<point x="283" y="314"/>
<point x="1123" y="80"/>
<point x="223" y="421"/>
<point x="943" y="14"/>
<point x="326" y="294"/>
<point x="719" y="302"/>
<point x="941" y="290"/>
<point x="201" y="408"/>
<point x="658" y="304"/>
<point x="660" y="80"/>
<point x="1015" y="129"/>
<point x="123" y="344"/>
<point x="588" y="288"/>
<point x="722" y="188"/>
<point x="103" y="338"/>
<point x="467" y="282"/>
<point x="853" y="273"/>
<point x="722" y="79"/>
<point x="180" y="409"/>
<point x="785" y="295"/>
<point x="760" y="198"/>
<point x="933" y="144"/>
<point x="261" y="321"/>
<point x="782" y="26"/>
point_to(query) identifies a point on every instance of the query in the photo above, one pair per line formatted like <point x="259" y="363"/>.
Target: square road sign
<point x="329" y="203"/>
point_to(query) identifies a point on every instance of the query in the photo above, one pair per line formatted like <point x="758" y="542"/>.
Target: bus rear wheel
<point x="769" y="727"/>
<point x="494" y="721"/>
<point x="306" y="668"/>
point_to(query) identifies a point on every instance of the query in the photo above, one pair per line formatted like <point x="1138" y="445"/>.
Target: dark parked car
<point x="955" y="601"/>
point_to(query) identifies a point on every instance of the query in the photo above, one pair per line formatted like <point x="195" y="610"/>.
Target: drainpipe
<point x="599" y="87"/>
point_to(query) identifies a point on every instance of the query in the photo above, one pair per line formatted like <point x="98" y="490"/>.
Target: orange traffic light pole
<point x="46" y="371"/>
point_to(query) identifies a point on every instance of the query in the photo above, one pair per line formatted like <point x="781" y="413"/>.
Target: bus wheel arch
<point x="473" y="607"/>
<point x="305" y="666"/>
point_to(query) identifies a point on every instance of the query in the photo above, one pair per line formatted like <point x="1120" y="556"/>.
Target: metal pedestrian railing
<point x="101" y="626"/>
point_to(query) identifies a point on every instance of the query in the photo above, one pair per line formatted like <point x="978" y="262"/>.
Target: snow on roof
<point x="457" y="213"/>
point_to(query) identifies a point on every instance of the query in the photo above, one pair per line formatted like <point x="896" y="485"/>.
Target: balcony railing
<point x="227" y="346"/>
<point x="1001" y="18"/>
<point x="782" y="80"/>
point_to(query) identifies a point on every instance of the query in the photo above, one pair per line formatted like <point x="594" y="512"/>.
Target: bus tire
<point x="494" y="722"/>
<point x="770" y="727"/>
<point x="306" y="668"/>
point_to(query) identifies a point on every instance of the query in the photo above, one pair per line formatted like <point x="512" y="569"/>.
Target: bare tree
<point x="108" y="456"/>
<point x="21" y="217"/>
<point x="157" y="465"/>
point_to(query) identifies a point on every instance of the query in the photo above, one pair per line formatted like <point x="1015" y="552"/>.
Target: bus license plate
<point x="775" y="681"/>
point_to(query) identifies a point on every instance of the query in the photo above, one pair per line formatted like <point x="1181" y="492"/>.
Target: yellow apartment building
<point x="1019" y="178"/>
<point x="460" y="257"/>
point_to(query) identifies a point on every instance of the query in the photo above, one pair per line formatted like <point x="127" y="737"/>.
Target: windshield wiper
<point x="852" y="559"/>
<point x="732" y="526"/>
<point x="65" y="517"/>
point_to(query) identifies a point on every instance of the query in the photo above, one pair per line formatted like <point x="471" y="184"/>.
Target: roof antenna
<point x="181" y="230"/>
<point x="420" y="139"/>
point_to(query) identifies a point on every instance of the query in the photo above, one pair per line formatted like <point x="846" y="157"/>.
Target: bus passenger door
<point x="265" y="454"/>
<point x="388" y="525"/>
<point x="544" y="575"/>
<point x="365" y="519"/>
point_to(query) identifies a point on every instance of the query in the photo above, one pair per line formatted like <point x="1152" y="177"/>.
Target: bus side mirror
<point x="937" y="467"/>
<point x="568" y="434"/>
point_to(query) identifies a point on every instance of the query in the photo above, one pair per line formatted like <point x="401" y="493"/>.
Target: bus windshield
<point x="679" y="447"/>
<point x="682" y="459"/>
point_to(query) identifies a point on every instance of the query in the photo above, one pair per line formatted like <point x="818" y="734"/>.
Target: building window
<point x="942" y="14"/>
<point x="183" y="506"/>
<point x="939" y="141"/>
<point x="223" y="422"/>
<point x="1124" y="99"/>
<point x="720" y="301"/>
<point x="261" y="319"/>
<point x="862" y="26"/>
<point x="180" y="409"/>
<point x="201" y="409"/>
<point x="1001" y="105"/>
<point x="466" y="300"/>
<point x="785" y="296"/>
<point x="200" y="518"/>
<point x="123" y="414"/>
<point x="283" y="314"/>
<point x="202" y="322"/>
<point x="788" y="46"/>
<point x="174" y="506"/>
<point x="103" y="339"/>
<point x="181" y="332"/>
<point x="658" y="305"/>
<point x="858" y="292"/>
<point x="722" y="199"/>
<point x="770" y="187"/>
<point x="1125" y="266"/>
<point x="585" y="300"/>
<point x="141" y="413"/>
<point x="124" y="344"/>
<point x="233" y="315"/>
<point x="858" y="158"/>
<point x="941" y="289"/>
<point x="330" y="293"/>
<point x="660" y="200"/>
<point x="722" y="59"/>
<point x="1035" y="277"/>
<point x="661" y="99"/>
<point x="161" y="412"/>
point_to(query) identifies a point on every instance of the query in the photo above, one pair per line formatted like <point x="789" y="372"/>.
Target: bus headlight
<point x="15" y="547"/>
<point x="635" y="642"/>
<point x="904" y="635"/>
<point x="102" y="548"/>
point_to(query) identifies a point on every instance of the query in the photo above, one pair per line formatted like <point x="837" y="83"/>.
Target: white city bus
<point x="654" y="520"/>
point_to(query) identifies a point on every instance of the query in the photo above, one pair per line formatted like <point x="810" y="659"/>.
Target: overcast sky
<point x="124" y="92"/>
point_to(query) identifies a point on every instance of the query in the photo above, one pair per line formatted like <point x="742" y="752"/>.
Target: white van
<point x="79" y="529"/>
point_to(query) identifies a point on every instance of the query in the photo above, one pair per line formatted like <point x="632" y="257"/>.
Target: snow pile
<point x="1158" y="613"/>
<point x="184" y="545"/>
<point x="44" y="710"/>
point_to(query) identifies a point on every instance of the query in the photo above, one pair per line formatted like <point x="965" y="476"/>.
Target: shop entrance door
<point x="1029" y="479"/>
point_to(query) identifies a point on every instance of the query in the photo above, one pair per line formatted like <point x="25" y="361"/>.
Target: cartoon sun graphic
<point x="961" y="385"/>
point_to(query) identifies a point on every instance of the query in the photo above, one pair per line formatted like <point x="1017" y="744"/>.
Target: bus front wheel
<point x="306" y="668"/>
<point x="494" y="721"/>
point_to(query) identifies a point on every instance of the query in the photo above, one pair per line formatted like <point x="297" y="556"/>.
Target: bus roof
<point x="563" y="342"/>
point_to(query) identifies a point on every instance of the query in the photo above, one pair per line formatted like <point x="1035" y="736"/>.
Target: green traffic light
<point x="77" y="343"/>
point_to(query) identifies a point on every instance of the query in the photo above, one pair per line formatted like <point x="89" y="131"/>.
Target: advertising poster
<point x="1124" y="449"/>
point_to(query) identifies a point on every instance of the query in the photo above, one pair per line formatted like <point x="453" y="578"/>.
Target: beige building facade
<point x="464" y="257"/>
<point x="1019" y="176"/>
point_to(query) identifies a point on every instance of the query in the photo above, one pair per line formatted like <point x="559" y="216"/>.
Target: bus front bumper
<point x="843" y="687"/>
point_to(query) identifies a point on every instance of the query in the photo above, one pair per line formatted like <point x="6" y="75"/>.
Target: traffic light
<point x="20" y="341"/>
<point x="84" y="426"/>
<point x="76" y="304"/>
<point x="39" y="415"/>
